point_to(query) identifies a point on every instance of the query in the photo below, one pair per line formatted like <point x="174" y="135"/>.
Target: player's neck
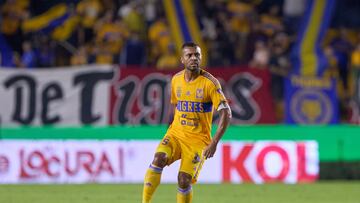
<point x="191" y="75"/>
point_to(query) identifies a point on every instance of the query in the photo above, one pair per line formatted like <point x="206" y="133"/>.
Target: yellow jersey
<point x="195" y="102"/>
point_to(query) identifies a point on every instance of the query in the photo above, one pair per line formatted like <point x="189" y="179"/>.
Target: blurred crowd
<point x="254" y="33"/>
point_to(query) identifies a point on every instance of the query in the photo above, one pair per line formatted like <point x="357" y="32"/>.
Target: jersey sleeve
<point x="216" y="94"/>
<point x="173" y="99"/>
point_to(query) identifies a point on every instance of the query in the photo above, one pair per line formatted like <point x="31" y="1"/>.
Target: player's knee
<point x="160" y="160"/>
<point x="184" y="180"/>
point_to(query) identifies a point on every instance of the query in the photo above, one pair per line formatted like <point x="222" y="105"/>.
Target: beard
<point x="193" y="68"/>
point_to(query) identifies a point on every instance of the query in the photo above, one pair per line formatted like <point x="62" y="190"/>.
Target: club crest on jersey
<point x="199" y="93"/>
<point x="178" y="91"/>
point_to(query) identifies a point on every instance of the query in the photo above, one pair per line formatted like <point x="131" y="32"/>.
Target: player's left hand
<point x="210" y="150"/>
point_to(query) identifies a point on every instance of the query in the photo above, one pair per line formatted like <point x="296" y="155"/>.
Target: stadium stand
<point x="37" y="34"/>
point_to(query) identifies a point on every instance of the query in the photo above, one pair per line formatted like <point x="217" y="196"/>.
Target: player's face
<point x="191" y="58"/>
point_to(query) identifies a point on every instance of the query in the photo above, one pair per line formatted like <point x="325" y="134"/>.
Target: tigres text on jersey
<point x="195" y="102"/>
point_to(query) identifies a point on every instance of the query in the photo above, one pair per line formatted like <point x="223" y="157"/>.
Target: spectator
<point x="28" y="58"/>
<point x="333" y="72"/>
<point x="241" y="16"/>
<point x="225" y="39"/>
<point x="255" y="35"/>
<point x="80" y="57"/>
<point x="261" y="56"/>
<point x="279" y="66"/>
<point x="89" y="11"/>
<point x="170" y="60"/>
<point x="271" y="22"/>
<point x="160" y="39"/>
<point x="111" y="33"/>
<point x="131" y="14"/>
<point x="150" y="11"/>
<point x="45" y="53"/>
<point x="103" y="55"/>
<point x="12" y="13"/>
<point x="293" y="11"/>
<point x="342" y="48"/>
<point x="133" y="52"/>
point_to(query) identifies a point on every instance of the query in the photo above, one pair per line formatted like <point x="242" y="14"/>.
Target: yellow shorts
<point x="190" y="155"/>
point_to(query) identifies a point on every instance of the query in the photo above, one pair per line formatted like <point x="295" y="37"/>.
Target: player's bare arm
<point x="225" y="116"/>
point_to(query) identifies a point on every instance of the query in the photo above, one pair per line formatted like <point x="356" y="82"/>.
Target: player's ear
<point x="199" y="50"/>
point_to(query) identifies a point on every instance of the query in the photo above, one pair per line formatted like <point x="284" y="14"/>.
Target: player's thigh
<point x="191" y="160"/>
<point x="170" y="146"/>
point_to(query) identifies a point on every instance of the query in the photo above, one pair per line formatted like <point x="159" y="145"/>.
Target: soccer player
<point x="194" y="94"/>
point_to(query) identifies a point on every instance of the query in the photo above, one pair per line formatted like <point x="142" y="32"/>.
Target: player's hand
<point x="210" y="150"/>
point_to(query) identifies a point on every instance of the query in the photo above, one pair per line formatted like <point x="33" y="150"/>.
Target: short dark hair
<point x="189" y="44"/>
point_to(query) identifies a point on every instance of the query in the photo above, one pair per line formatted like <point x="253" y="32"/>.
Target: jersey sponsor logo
<point x="189" y="106"/>
<point x="193" y="123"/>
<point x="178" y="91"/>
